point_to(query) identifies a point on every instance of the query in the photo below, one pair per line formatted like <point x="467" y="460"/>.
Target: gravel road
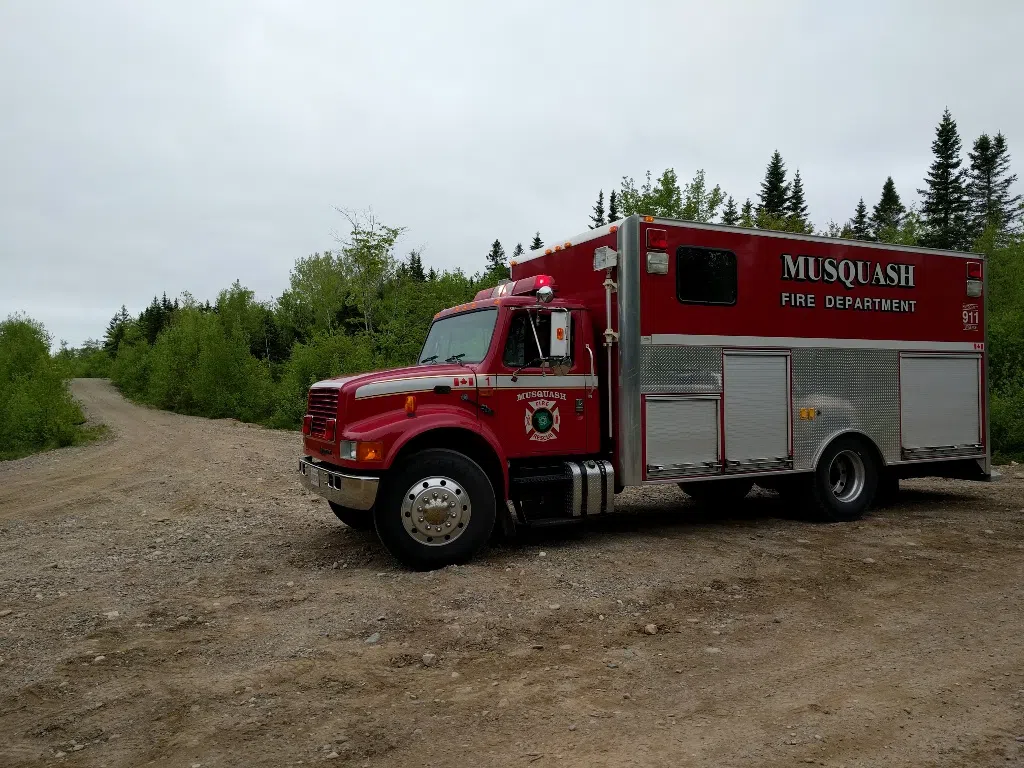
<point x="172" y="597"/>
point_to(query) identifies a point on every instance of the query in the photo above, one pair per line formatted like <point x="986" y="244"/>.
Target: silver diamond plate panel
<point x="851" y="389"/>
<point x="680" y="370"/>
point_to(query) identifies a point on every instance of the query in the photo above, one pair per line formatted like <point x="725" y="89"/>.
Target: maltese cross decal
<point x="542" y="420"/>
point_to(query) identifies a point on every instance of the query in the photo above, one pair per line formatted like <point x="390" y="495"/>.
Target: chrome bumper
<point x="347" y="490"/>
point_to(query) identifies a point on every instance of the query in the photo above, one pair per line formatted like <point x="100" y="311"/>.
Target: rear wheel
<point x="844" y="483"/>
<point x="360" y="519"/>
<point x="728" y="491"/>
<point x="437" y="509"/>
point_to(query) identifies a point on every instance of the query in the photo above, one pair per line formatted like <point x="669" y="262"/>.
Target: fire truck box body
<point x="654" y="351"/>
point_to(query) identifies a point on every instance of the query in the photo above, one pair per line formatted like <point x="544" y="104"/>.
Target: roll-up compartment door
<point x="756" y="409"/>
<point x="940" y="401"/>
<point x="681" y="434"/>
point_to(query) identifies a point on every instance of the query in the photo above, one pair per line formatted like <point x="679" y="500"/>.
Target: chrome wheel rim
<point x="436" y="511"/>
<point x="847" y="476"/>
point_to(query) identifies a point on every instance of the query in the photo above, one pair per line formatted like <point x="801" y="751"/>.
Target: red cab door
<point x="544" y="409"/>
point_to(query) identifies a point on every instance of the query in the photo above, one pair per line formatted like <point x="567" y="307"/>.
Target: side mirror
<point x="561" y="344"/>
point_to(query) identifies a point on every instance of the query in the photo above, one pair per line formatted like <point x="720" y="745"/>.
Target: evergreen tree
<point x="537" y="242"/>
<point x="415" y="266"/>
<point x="774" y="192"/>
<point x="859" y="227"/>
<point x="518" y="252"/>
<point x="731" y="214"/>
<point x="597" y="218"/>
<point x="887" y="215"/>
<point x="496" y="258"/>
<point x="747" y="214"/>
<point x="988" y="186"/>
<point x="613" y="206"/>
<point x="944" y="202"/>
<point x="796" y="206"/>
<point x="116" y="330"/>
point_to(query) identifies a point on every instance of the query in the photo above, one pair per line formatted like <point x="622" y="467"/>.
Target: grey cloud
<point x="147" y="147"/>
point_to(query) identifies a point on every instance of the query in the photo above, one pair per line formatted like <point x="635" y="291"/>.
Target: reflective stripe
<point x="415" y="384"/>
<point x="680" y="339"/>
<point x="536" y="381"/>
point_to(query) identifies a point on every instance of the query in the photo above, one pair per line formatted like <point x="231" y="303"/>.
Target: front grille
<point x="322" y="404"/>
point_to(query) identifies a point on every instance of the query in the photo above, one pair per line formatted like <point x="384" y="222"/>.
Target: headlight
<point x="357" y="451"/>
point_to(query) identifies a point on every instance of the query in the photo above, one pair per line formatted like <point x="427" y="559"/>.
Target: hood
<point x="351" y="383"/>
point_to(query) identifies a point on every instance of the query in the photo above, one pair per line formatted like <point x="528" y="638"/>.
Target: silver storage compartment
<point x="756" y="410"/>
<point x="940" y="404"/>
<point x="682" y="435"/>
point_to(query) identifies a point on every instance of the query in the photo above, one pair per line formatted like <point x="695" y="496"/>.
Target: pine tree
<point x="496" y="258"/>
<point x="887" y="215"/>
<point x="747" y="214"/>
<point x="597" y="218"/>
<point x="536" y="243"/>
<point x="988" y="186"/>
<point x="774" y="190"/>
<point x="116" y="330"/>
<point x="415" y="266"/>
<point x="796" y="206"/>
<point x="613" y="206"/>
<point x="517" y="252"/>
<point x="731" y="214"/>
<point x="859" y="228"/>
<point x="944" y="202"/>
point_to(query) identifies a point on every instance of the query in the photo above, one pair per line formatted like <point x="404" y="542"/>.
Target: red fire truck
<point x="661" y="351"/>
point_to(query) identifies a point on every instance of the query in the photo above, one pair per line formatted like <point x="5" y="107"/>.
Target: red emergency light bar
<point x="522" y="287"/>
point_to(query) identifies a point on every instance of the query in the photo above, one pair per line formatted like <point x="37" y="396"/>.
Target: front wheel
<point x="437" y="509"/>
<point x="844" y="484"/>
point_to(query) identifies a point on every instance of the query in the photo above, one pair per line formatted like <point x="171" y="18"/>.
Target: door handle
<point x="593" y="373"/>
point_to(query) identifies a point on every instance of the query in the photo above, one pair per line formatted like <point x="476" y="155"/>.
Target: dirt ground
<point x="171" y="596"/>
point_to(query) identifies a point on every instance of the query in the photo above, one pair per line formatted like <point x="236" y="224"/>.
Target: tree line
<point x="361" y="306"/>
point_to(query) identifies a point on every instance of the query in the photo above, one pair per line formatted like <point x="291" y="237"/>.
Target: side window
<point x="520" y="346"/>
<point x="705" y="275"/>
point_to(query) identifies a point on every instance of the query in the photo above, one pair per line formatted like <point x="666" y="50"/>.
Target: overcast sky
<point x="169" y="146"/>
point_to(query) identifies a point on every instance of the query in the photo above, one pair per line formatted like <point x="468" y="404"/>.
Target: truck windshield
<point x="467" y="335"/>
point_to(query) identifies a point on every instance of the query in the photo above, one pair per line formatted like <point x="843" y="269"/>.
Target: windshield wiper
<point x="426" y="360"/>
<point x="456" y="358"/>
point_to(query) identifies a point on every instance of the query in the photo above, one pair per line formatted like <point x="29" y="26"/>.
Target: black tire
<point x="888" y="489"/>
<point x="844" y="483"/>
<point x="726" y="491"/>
<point x="435" y="543"/>
<point x="359" y="519"/>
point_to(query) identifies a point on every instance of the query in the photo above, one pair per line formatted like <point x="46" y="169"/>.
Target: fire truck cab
<point x="658" y="351"/>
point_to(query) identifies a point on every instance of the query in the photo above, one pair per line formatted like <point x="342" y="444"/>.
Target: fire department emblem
<point x="542" y="420"/>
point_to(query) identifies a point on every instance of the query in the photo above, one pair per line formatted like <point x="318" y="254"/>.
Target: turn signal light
<point x="369" y="451"/>
<point x="657" y="239"/>
<point x="410" y="405"/>
<point x="974" y="270"/>
<point x="330" y="428"/>
<point x="307" y="425"/>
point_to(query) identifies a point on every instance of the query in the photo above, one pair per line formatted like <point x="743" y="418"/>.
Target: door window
<point x="521" y="348"/>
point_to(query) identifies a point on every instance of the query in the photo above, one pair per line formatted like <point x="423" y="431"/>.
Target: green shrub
<point x="37" y="411"/>
<point x="324" y="356"/>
